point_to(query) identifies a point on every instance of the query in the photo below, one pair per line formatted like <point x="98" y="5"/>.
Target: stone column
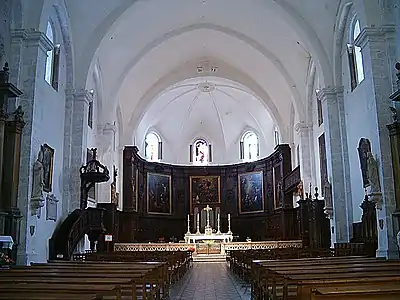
<point x="306" y="133"/>
<point x="78" y="146"/>
<point x="378" y="49"/>
<point x="106" y="142"/>
<point x="337" y="161"/>
<point x="33" y="54"/>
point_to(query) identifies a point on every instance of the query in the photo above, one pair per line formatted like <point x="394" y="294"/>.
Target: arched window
<point x="356" y="64"/>
<point x="153" y="147"/>
<point x="52" y="60"/>
<point x="249" y="146"/>
<point x="49" y="59"/>
<point x="200" y="152"/>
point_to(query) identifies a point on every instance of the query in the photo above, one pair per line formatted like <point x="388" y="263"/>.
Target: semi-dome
<point x="215" y="109"/>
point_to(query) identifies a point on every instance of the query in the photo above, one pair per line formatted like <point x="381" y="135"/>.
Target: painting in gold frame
<point x="205" y="189"/>
<point x="159" y="194"/>
<point x="251" y="192"/>
<point x="48" y="159"/>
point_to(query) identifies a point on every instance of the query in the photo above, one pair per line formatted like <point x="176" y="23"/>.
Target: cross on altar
<point x="208" y="209"/>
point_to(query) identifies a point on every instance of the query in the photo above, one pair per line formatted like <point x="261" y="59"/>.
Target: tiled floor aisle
<point x="209" y="281"/>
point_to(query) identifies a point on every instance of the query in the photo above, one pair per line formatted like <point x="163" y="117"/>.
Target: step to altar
<point x="209" y="258"/>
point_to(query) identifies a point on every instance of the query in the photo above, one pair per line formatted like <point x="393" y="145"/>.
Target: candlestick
<point x="198" y="224"/>
<point x="229" y="224"/>
<point x="218" y="224"/>
<point x="188" y="224"/>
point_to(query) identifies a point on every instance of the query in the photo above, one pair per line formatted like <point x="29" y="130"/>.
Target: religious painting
<point x="48" y="158"/>
<point x="159" y="194"/>
<point x="251" y="195"/>
<point x="205" y="189"/>
<point x="364" y="147"/>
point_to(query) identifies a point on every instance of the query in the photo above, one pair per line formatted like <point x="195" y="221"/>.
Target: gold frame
<point x="48" y="186"/>
<point x="240" y="193"/>
<point x="203" y="176"/>
<point x="170" y="194"/>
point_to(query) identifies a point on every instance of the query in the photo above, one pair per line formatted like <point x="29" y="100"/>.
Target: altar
<point x="209" y="236"/>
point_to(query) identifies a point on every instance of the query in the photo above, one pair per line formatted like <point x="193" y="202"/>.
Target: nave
<point x="209" y="281"/>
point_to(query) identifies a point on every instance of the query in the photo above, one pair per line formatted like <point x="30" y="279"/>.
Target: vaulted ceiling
<point x="144" y="47"/>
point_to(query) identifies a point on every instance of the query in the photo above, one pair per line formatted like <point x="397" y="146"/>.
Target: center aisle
<point x="209" y="281"/>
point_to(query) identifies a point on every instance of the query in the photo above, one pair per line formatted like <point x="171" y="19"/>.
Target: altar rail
<point x="226" y="246"/>
<point x="263" y="245"/>
<point x="153" y="247"/>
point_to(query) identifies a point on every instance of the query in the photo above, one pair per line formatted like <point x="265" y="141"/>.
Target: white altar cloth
<point x="194" y="237"/>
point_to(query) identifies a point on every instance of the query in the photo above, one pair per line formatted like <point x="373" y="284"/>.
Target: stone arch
<point x="288" y="13"/>
<point x="265" y="52"/>
<point x="63" y="22"/>
<point x="98" y="84"/>
<point x="182" y="74"/>
<point x="344" y="14"/>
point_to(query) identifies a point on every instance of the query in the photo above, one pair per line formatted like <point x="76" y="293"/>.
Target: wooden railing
<point x="73" y="228"/>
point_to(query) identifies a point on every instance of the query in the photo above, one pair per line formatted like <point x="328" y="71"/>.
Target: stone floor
<point x="209" y="281"/>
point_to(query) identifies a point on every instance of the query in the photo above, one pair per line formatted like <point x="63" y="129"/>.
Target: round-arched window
<point x="153" y="147"/>
<point x="249" y="146"/>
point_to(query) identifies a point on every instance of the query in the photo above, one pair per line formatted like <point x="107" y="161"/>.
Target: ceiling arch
<point x="188" y="70"/>
<point x="280" y="68"/>
<point x="109" y="22"/>
<point x="178" y="115"/>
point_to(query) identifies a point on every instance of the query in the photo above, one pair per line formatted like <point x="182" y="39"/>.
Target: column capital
<point x="82" y="95"/>
<point x="107" y="128"/>
<point x="374" y="34"/>
<point x="329" y="93"/>
<point x="302" y="127"/>
<point x="35" y="38"/>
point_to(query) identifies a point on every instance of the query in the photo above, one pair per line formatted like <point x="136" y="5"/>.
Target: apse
<point x="216" y="112"/>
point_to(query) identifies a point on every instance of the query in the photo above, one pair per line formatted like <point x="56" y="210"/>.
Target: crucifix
<point x="208" y="209"/>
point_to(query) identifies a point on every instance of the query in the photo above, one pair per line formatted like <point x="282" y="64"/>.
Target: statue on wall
<point x="38" y="176"/>
<point x="327" y="189"/>
<point x="373" y="174"/>
<point x="37" y="198"/>
<point x="373" y="177"/>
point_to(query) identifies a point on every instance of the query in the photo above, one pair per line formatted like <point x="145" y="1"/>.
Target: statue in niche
<point x="38" y="176"/>
<point x="373" y="174"/>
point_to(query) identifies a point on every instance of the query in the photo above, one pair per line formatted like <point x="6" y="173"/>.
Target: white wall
<point x="47" y="127"/>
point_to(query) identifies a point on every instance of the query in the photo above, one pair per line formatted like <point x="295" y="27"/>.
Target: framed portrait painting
<point x="205" y="189"/>
<point x="251" y="192"/>
<point x="48" y="159"/>
<point x="159" y="194"/>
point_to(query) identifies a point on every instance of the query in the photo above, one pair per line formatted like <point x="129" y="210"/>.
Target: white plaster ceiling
<point x="142" y="47"/>
<point x="217" y="109"/>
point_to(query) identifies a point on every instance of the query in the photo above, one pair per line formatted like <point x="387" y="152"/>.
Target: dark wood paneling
<point x="150" y="227"/>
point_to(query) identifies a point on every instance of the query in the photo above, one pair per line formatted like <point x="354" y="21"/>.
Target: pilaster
<point x="33" y="47"/>
<point x="79" y="132"/>
<point x="305" y="132"/>
<point x="106" y="142"/>
<point x="337" y="161"/>
<point x="379" y="54"/>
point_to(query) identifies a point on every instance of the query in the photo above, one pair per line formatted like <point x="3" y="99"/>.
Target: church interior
<point x="199" y="149"/>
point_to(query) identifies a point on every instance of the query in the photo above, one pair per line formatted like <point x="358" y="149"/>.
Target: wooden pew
<point x="96" y="274"/>
<point x="294" y="273"/>
<point x="356" y="292"/>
